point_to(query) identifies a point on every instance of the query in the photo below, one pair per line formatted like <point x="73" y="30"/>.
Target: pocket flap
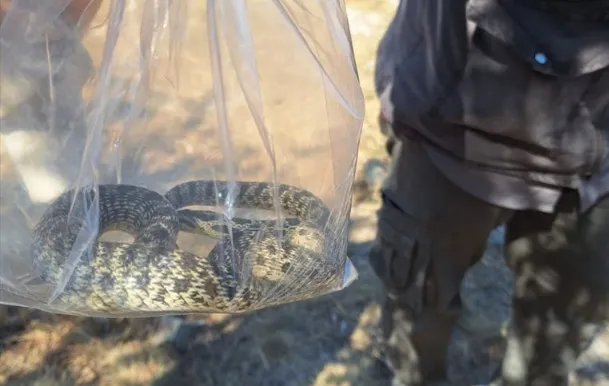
<point x="552" y="45"/>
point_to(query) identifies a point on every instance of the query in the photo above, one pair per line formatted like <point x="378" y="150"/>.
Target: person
<point x="500" y="113"/>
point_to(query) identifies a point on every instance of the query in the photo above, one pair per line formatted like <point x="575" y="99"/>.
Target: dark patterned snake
<point x="254" y="264"/>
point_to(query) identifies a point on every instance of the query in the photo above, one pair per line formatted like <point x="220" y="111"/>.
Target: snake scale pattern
<point x="253" y="265"/>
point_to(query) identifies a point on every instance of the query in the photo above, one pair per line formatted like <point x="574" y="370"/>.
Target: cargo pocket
<point x="400" y="259"/>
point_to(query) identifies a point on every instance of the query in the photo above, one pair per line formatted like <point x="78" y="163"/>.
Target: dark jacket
<point x="511" y="100"/>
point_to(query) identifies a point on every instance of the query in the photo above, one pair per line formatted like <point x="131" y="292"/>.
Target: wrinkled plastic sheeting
<point x="156" y="93"/>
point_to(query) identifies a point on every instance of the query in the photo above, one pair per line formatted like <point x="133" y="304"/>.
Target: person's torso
<point x="504" y="85"/>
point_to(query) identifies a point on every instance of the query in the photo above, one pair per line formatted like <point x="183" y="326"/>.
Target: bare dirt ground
<point x="322" y="342"/>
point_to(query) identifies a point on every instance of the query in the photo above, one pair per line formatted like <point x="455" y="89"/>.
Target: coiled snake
<point x="254" y="264"/>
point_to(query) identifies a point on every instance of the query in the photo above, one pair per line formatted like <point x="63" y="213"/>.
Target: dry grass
<point x="326" y="341"/>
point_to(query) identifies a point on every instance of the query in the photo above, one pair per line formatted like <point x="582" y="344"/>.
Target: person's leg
<point x="430" y="232"/>
<point x="561" y="268"/>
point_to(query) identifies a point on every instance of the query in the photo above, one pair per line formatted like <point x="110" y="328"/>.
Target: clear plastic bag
<point x="171" y="157"/>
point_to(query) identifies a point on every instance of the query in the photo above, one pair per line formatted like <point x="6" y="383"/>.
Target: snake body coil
<point x="254" y="264"/>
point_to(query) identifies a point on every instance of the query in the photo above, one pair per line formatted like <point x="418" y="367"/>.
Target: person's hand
<point x="82" y="12"/>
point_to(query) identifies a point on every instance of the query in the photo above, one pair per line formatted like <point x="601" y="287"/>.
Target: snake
<point x="255" y="263"/>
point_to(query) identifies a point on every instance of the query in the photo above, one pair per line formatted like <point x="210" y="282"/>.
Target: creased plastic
<point x="172" y="157"/>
